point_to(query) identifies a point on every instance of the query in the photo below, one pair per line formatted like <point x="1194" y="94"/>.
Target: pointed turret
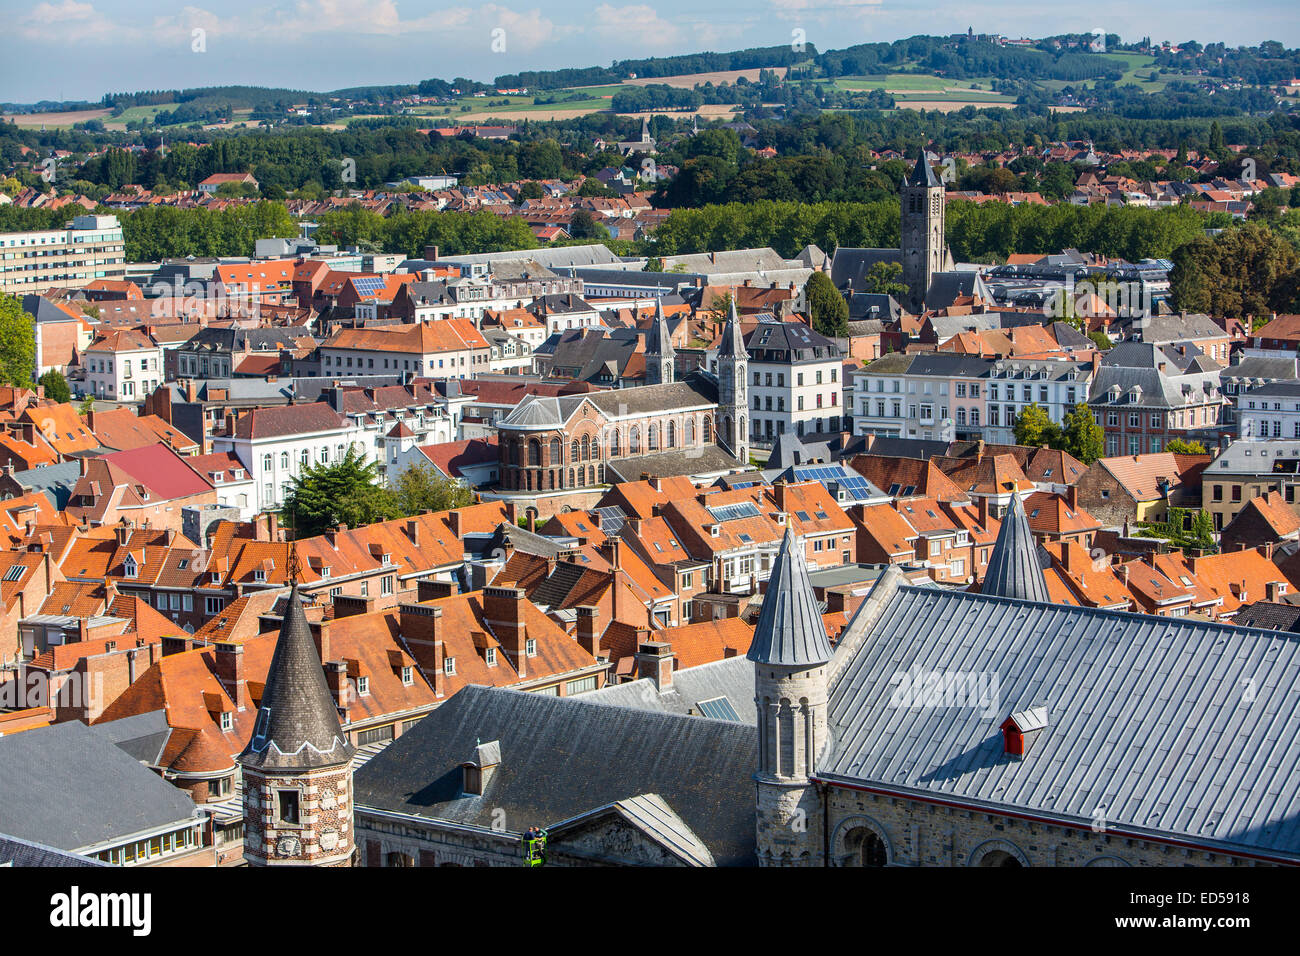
<point x="790" y="631"/>
<point x="298" y="721"/>
<point x="923" y="173"/>
<point x="1013" y="569"/>
<point x="660" y="357"/>
<point x="733" y="344"/>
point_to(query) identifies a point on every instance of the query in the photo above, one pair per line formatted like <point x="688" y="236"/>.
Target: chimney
<point x="336" y="676"/>
<point x="228" y="662"/>
<point x="1072" y="497"/>
<point x="778" y="496"/>
<point x="413" y="531"/>
<point x="503" y="609"/>
<point x="982" y="509"/>
<point x="453" y="520"/>
<point x="588" y="632"/>
<point x="1273" y="592"/>
<point x="1123" y="571"/>
<point x="654" y="660"/>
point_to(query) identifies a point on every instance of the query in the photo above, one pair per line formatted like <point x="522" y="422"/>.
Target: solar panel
<point x="741" y="509"/>
<point x="611" y="518"/>
<point x="718" y="708"/>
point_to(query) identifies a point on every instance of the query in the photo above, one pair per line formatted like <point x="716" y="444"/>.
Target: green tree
<point x="1035" y="427"/>
<point x="529" y="190"/>
<point x="1101" y="340"/>
<point x="1180" y="446"/>
<point x="17" y="342"/>
<point x="1184" y="529"/>
<point x="344" y="492"/>
<point x="886" y="278"/>
<point x="827" y="310"/>
<point x="86" y="405"/>
<point x="584" y="225"/>
<point x="420" y="488"/>
<point x="55" y="385"/>
<point x="1082" y="437"/>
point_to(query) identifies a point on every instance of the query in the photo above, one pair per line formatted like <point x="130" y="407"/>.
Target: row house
<point x="1269" y="411"/>
<point x="952" y="542"/>
<point x="1246" y="470"/>
<point x="1144" y="397"/>
<point x="217" y="352"/>
<point x="442" y="348"/>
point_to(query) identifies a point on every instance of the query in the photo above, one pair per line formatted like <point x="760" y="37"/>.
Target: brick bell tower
<point x="298" y="765"/>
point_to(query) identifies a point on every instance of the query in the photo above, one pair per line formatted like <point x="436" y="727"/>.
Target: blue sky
<point x="79" y="49"/>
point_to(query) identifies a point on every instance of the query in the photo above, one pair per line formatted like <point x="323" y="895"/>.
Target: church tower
<point x="791" y="656"/>
<point x="921" y="232"/>
<point x="733" y="390"/>
<point x="298" y="765"/>
<point x="660" y="358"/>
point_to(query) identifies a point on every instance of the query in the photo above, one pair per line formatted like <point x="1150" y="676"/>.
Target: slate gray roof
<point x="1146" y="716"/>
<point x="297" y="722"/>
<point x="70" y="787"/>
<point x="732" y="344"/>
<point x="732" y="678"/>
<point x="15" y="852"/>
<point x="558" y="258"/>
<point x="946" y="287"/>
<point x="649" y="813"/>
<point x="544" y="411"/>
<point x="702" y="461"/>
<point x="658" y="341"/>
<point x="1269" y="616"/>
<point x="1013" y="570"/>
<point x="849" y="267"/>
<point x="561" y="758"/>
<point x="54" y="481"/>
<point x="922" y="173"/>
<point x="1161" y="329"/>
<point x="143" y="736"/>
<point x="1262" y="369"/>
<point x="790" y="631"/>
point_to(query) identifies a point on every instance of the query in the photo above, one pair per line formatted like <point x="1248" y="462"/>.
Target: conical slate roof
<point x="922" y="173"/>
<point x="733" y="345"/>
<point x="659" y="340"/>
<point x="1013" y="569"/>
<point x="297" y="723"/>
<point x="790" y="631"/>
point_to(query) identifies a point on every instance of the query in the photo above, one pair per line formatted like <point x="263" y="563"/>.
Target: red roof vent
<point x="1021" y="729"/>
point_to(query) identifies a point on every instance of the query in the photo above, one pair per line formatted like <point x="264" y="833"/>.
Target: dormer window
<point x="227" y="722"/>
<point x="449" y="666"/>
<point x="490" y="657"/>
<point x="129" y="567"/>
<point x="407" y="678"/>
<point x="259" y="576"/>
<point x="214" y="577"/>
<point x="530" y="647"/>
<point x="363" y="686"/>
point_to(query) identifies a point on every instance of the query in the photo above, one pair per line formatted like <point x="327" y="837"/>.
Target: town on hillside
<point x="782" y="470"/>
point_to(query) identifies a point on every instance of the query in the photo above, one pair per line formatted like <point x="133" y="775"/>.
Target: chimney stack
<point x="228" y="662"/>
<point x="503" y="609"/>
<point x="654" y="660"/>
<point x="588" y="630"/>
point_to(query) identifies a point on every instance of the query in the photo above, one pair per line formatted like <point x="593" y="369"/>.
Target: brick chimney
<point x="588" y="630"/>
<point x="1273" y="592"/>
<point x="453" y="520"/>
<point x="654" y="660"/>
<point x="413" y="531"/>
<point x="1072" y="497"/>
<point x="503" y="608"/>
<point x="336" y="676"/>
<point x="228" y="663"/>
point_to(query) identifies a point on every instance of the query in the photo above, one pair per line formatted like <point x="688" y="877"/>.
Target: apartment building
<point x="89" y="248"/>
<point x="439" y="348"/>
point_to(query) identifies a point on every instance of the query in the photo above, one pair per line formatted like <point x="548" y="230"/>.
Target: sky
<point x="81" y="49"/>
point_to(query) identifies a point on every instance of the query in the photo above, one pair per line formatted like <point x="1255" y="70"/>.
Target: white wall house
<point x="122" y="366"/>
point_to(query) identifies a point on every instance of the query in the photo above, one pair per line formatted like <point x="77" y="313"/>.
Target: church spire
<point x="1013" y="570"/>
<point x="660" y="355"/>
<point x="733" y="344"/>
<point x="923" y="173"/>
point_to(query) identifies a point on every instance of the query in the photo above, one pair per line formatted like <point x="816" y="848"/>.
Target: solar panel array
<point x="368" y="285"/>
<point x="845" y="480"/>
<point x="741" y="509"/>
<point x="611" y="519"/>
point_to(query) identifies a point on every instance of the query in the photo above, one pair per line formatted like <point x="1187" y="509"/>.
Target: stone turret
<point x="298" y="764"/>
<point x="791" y="655"/>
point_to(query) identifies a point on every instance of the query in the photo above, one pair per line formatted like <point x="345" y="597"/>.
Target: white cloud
<point x="637" y="23"/>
